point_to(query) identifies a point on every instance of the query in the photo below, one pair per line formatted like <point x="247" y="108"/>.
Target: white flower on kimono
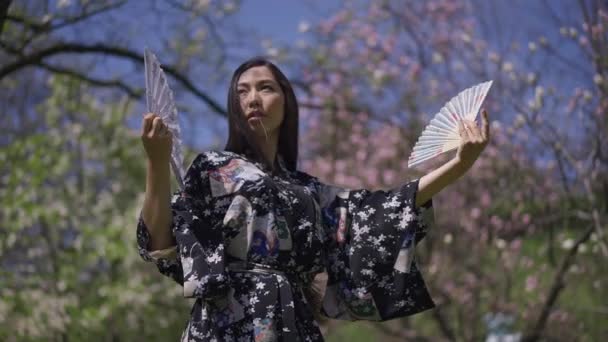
<point x="304" y="224"/>
<point x="361" y="292"/>
<point x="187" y="264"/>
<point x="406" y="218"/>
<point x="391" y="203"/>
<point x="377" y="241"/>
<point x="214" y="258"/>
<point x="363" y="215"/>
<point x="195" y="333"/>
<point x="360" y="231"/>
<point x="215" y="157"/>
<point x="260" y="286"/>
<point x="223" y="202"/>
<point x="403" y="303"/>
<point x="367" y="272"/>
<point x="193" y="278"/>
<point x="392" y="216"/>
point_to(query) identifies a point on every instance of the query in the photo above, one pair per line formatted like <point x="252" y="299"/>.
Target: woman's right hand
<point x="157" y="139"/>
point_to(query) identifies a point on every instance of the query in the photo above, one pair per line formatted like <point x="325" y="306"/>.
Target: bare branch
<point x="535" y="332"/>
<point x="47" y="26"/>
<point x="65" y="48"/>
<point x="86" y="15"/>
<point x="444" y="325"/>
<point x="3" y="11"/>
<point x="134" y="93"/>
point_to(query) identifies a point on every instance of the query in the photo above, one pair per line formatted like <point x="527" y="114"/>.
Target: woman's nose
<point x="254" y="99"/>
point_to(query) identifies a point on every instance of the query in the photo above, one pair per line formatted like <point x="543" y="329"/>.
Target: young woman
<point x="249" y="231"/>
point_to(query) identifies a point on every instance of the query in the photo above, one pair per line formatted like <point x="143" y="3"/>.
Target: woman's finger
<point x="156" y="126"/>
<point x="463" y="131"/>
<point x="146" y="124"/>
<point x="473" y="130"/>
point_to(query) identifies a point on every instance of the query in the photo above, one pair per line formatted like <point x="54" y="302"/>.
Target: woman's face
<point x="262" y="100"/>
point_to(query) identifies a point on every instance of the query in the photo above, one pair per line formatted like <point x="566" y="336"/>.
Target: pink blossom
<point x="370" y="175"/>
<point x="515" y="245"/>
<point x="340" y="165"/>
<point x="475" y="213"/>
<point x="360" y="155"/>
<point x="389" y="176"/>
<point x="485" y="199"/>
<point x="341" y="48"/>
<point x="496" y="221"/>
<point x="323" y="166"/>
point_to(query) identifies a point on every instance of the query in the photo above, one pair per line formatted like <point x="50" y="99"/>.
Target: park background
<point x="519" y="247"/>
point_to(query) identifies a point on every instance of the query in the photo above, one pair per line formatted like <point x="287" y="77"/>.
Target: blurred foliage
<point x="70" y="268"/>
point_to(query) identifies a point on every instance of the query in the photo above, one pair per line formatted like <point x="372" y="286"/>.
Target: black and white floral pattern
<point x="248" y="242"/>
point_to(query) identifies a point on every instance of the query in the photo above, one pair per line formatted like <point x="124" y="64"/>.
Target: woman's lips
<point x="255" y="114"/>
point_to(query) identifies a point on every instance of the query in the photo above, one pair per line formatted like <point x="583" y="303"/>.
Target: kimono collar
<point x="279" y="163"/>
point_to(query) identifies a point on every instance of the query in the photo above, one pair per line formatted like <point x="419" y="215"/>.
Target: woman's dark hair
<point x="240" y="136"/>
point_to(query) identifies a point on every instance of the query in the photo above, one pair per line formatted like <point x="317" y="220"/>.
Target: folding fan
<point x="441" y="134"/>
<point x="160" y="101"/>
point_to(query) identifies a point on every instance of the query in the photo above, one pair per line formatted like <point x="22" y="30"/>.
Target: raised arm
<point x="472" y="143"/>
<point x="156" y="211"/>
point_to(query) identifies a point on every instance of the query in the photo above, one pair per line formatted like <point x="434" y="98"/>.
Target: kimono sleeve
<point x="166" y="260"/>
<point x="197" y="260"/>
<point x="370" y="238"/>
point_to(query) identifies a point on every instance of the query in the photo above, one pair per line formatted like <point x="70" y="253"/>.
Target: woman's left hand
<point x="473" y="140"/>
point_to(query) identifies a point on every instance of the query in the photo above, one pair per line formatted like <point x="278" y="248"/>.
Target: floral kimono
<point x="247" y="243"/>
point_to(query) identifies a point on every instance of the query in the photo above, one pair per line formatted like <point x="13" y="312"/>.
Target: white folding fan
<point x="441" y="134"/>
<point x="160" y="101"/>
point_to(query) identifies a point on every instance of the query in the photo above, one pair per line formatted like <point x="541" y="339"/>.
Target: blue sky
<point x="270" y="19"/>
<point x="280" y="19"/>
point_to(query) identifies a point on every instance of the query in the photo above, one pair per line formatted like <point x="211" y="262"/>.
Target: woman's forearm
<point x="435" y="181"/>
<point x="473" y="140"/>
<point x="156" y="211"/>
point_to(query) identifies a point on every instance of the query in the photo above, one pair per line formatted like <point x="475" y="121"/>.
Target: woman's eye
<point x="267" y="87"/>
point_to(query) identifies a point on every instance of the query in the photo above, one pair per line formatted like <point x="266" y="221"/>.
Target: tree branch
<point x="134" y="93"/>
<point x="560" y="150"/>
<point x="534" y="333"/>
<point x="86" y="15"/>
<point x="444" y="325"/>
<point x="36" y="58"/>
<point x="3" y="13"/>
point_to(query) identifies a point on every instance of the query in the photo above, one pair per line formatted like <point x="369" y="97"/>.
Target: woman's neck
<point x="268" y="147"/>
